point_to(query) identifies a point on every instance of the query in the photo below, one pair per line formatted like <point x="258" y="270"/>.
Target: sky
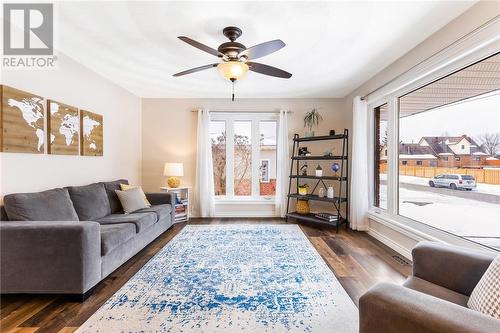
<point x="474" y="117"/>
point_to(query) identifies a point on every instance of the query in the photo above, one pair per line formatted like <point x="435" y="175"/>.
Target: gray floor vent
<point x="402" y="261"/>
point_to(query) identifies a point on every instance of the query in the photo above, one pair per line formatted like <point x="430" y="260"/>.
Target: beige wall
<point x="169" y="128"/>
<point x="73" y="84"/>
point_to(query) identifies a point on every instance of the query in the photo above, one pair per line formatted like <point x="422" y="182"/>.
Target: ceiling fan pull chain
<point x="232" y="80"/>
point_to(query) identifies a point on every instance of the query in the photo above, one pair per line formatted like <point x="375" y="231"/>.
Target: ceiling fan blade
<point x="201" y="46"/>
<point x="260" y="50"/>
<point x="196" y="69"/>
<point x="268" y="70"/>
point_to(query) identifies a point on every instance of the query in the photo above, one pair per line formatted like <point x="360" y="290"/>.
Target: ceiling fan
<point x="237" y="60"/>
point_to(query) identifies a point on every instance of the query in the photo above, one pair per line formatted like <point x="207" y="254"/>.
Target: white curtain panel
<point x="204" y="191"/>
<point x="359" y="173"/>
<point x="282" y="164"/>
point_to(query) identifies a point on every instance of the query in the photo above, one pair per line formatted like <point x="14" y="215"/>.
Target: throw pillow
<point x="126" y="187"/>
<point x="485" y="297"/>
<point x="131" y="200"/>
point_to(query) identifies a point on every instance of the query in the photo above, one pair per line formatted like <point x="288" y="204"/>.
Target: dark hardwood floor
<point x="358" y="260"/>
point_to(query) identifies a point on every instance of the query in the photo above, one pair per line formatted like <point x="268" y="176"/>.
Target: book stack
<point x="328" y="217"/>
<point x="181" y="207"/>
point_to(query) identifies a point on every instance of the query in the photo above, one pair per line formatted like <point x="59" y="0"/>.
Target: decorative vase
<point x="330" y="193"/>
<point x="302" y="207"/>
<point x="321" y="192"/>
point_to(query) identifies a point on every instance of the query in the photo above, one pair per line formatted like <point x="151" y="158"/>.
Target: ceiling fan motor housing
<point x="231" y="49"/>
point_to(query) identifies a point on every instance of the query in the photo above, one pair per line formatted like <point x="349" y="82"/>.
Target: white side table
<point x="182" y="209"/>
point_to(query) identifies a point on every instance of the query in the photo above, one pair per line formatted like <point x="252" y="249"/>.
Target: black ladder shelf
<point x="343" y="195"/>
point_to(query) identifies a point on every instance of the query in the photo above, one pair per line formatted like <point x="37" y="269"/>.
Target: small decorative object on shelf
<point x="338" y="198"/>
<point x="304" y="152"/>
<point x="303" y="207"/>
<point x="319" y="171"/>
<point x="327" y="217"/>
<point x="332" y="132"/>
<point x="335" y="168"/>
<point x="303" y="170"/>
<point x="303" y="189"/>
<point x="182" y="203"/>
<point x="330" y="193"/>
<point x="311" y="120"/>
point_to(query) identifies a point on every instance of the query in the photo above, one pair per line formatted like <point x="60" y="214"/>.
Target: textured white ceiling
<point x="332" y="47"/>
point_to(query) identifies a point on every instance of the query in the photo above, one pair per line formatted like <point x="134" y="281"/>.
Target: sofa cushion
<point x="132" y="200"/>
<point x="161" y="211"/>
<point x="141" y="220"/>
<point x="432" y="289"/>
<point x="485" y="298"/>
<point x="51" y="205"/>
<point x="113" y="235"/>
<point x="114" y="202"/>
<point x="90" y="201"/>
<point x="126" y="187"/>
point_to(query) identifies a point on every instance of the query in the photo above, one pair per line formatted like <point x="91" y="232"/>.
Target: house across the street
<point x="441" y="151"/>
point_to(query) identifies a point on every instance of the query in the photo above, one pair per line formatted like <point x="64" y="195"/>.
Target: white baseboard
<point x="243" y="214"/>
<point x="406" y="252"/>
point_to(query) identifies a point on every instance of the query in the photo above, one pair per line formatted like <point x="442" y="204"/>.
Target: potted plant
<point x="303" y="189"/>
<point x="312" y="119"/>
<point x="319" y="171"/>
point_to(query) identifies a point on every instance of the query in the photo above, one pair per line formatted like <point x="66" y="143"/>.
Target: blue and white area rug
<point x="231" y="278"/>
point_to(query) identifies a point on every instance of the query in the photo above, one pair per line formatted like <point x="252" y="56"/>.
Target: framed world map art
<point x="91" y="134"/>
<point x="22" y="119"/>
<point x="63" y="128"/>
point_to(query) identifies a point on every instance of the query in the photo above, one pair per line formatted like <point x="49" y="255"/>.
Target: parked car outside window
<point x="454" y="181"/>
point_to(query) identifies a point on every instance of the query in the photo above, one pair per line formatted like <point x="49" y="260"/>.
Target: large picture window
<point x="449" y="153"/>
<point x="244" y="155"/>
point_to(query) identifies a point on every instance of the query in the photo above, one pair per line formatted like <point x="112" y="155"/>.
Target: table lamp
<point x="173" y="171"/>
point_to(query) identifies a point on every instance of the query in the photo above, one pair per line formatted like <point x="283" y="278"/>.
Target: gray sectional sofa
<point x="66" y="240"/>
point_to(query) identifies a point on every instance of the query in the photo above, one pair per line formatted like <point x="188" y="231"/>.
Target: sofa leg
<point x="80" y="297"/>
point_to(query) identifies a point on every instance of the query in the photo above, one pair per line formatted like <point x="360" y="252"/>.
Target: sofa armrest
<point x="452" y="267"/>
<point x="163" y="198"/>
<point x="391" y="308"/>
<point x="49" y="257"/>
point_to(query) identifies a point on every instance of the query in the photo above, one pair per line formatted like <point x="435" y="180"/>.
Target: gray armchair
<point x="434" y="299"/>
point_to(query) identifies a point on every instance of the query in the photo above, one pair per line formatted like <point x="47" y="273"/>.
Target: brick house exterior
<point x="441" y="151"/>
<point x="455" y="151"/>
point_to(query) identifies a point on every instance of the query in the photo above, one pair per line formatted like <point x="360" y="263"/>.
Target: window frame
<point x="254" y="118"/>
<point x="474" y="47"/>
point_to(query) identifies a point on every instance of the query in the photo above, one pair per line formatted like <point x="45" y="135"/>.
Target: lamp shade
<point x="233" y="69"/>
<point x="173" y="169"/>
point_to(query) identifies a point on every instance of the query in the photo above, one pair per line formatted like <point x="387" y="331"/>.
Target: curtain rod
<point x="429" y="57"/>
<point x="241" y="111"/>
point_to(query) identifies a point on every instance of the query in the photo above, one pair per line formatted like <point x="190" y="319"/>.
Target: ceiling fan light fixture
<point x="233" y="70"/>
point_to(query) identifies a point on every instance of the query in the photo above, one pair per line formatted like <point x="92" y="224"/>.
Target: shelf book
<point x="338" y="213"/>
